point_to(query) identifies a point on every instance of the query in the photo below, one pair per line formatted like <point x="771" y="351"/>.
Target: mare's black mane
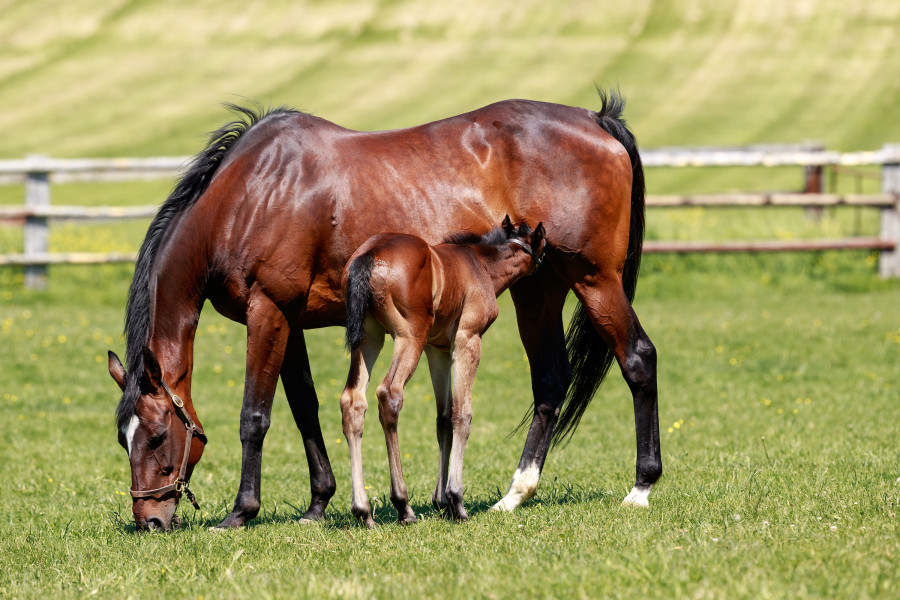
<point x="188" y="189"/>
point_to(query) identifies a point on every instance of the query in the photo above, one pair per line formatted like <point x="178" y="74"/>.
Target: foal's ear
<point x="152" y="370"/>
<point x="117" y="370"/>
<point x="507" y="226"/>
<point x="539" y="233"/>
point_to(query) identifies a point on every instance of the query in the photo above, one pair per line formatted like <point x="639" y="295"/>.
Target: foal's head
<point x="162" y="439"/>
<point x="531" y="241"/>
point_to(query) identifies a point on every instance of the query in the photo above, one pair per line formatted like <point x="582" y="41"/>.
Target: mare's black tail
<point x="358" y="295"/>
<point x="589" y="355"/>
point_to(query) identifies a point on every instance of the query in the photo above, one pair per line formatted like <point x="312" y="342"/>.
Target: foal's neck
<point x="504" y="266"/>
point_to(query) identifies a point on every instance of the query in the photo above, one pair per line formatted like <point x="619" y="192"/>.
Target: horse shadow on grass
<point x="339" y="517"/>
<point x="553" y="493"/>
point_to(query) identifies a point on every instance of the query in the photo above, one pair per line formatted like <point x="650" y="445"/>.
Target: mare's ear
<point x="117" y="370"/>
<point x="152" y="370"/>
<point x="507" y="226"/>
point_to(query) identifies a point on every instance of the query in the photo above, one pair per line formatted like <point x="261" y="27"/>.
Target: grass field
<point x="778" y="412"/>
<point x="778" y="374"/>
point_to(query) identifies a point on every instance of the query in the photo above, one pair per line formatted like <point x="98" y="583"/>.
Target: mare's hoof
<point x="638" y="497"/>
<point x="232" y="521"/>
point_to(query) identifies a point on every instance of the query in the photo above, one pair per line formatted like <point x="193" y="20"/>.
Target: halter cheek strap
<point x="180" y="486"/>
<point x="536" y="259"/>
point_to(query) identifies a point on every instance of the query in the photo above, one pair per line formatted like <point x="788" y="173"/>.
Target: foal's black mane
<point x="188" y="189"/>
<point x="493" y="238"/>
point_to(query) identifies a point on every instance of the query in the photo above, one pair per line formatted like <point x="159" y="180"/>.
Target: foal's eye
<point x="157" y="441"/>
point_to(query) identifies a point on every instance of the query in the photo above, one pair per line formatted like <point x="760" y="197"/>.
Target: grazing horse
<point x="440" y="299"/>
<point x="266" y="217"/>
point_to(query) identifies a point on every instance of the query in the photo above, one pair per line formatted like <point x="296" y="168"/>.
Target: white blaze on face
<point x="524" y="486"/>
<point x="639" y="496"/>
<point x="128" y="432"/>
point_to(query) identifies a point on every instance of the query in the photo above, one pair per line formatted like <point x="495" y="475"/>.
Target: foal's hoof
<point x="460" y="516"/>
<point x="409" y="519"/>
<point x="364" y="518"/>
<point x="456" y="515"/>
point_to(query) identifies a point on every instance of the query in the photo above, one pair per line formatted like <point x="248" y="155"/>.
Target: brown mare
<point x="440" y="299"/>
<point x="267" y="216"/>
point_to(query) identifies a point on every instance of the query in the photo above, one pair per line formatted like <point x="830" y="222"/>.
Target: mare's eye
<point x="157" y="441"/>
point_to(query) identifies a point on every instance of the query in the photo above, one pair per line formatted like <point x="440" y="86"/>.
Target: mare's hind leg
<point x="301" y="395"/>
<point x="353" y="412"/>
<point x="539" y="301"/>
<point x="439" y="364"/>
<point x="407" y="350"/>
<point x="612" y="315"/>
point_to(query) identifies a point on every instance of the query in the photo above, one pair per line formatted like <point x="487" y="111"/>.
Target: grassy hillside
<point x="146" y="78"/>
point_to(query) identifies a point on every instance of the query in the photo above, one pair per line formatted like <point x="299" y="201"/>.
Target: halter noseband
<point x="180" y="486"/>
<point x="535" y="259"/>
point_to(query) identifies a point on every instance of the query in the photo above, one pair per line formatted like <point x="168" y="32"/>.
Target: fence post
<point x="889" y="261"/>
<point x="814" y="181"/>
<point x="37" y="231"/>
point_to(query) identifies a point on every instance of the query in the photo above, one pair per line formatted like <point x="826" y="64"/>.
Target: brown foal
<point x="440" y="299"/>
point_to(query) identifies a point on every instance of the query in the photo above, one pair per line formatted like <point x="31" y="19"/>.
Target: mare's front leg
<point x="407" y="350"/>
<point x="296" y="377"/>
<point x="539" y="301"/>
<point x="353" y="412"/>
<point x="466" y="356"/>
<point x="267" y="334"/>
<point x="439" y="365"/>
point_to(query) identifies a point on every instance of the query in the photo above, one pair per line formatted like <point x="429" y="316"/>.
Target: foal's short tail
<point x="357" y="296"/>
<point x="589" y="356"/>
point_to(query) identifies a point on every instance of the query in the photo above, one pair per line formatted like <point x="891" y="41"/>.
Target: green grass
<point x="777" y="407"/>
<point x="139" y="78"/>
<point x="778" y="373"/>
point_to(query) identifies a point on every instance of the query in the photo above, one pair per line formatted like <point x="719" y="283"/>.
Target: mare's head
<point x="531" y="241"/>
<point x="162" y="438"/>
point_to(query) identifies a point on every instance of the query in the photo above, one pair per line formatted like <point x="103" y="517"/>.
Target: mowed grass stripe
<point x="146" y="79"/>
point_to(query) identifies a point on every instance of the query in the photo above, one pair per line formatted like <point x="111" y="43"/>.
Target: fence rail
<point x="37" y="173"/>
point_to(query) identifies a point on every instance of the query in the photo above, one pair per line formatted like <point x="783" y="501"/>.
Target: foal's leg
<point x="466" y="356"/>
<point x="539" y="301"/>
<point x="267" y="333"/>
<point x="612" y="315"/>
<point x="439" y="364"/>
<point x="301" y="395"/>
<point x="407" y="350"/>
<point x="353" y="412"/>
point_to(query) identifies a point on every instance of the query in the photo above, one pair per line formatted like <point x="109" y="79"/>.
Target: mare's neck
<point x="178" y="289"/>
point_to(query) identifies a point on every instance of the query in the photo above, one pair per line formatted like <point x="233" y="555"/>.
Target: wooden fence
<point x="37" y="172"/>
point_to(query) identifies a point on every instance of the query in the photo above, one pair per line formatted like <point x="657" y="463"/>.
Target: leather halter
<point x="180" y="486"/>
<point x="535" y="259"/>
